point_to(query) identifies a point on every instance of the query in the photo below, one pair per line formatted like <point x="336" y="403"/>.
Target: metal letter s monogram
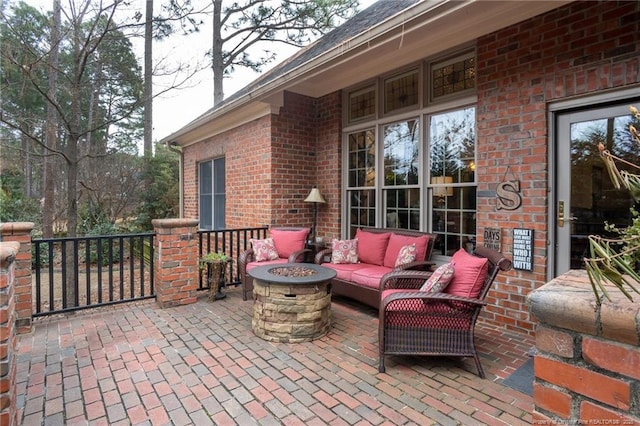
<point x="508" y="195"/>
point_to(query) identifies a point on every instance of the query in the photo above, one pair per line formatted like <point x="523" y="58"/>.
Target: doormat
<point x="522" y="379"/>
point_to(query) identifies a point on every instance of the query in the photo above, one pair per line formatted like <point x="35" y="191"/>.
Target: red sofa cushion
<point x="344" y="270"/>
<point x="396" y="242"/>
<point x="470" y="273"/>
<point x="369" y="276"/>
<point x="288" y="242"/>
<point x="372" y="247"/>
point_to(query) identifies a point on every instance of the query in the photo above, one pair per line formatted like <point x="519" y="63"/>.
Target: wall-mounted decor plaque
<point x="523" y="249"/>
<point x="492" y="238"/>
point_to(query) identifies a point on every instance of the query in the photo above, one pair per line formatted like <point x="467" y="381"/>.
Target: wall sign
<point x="523" y="249"/>
<point x="493" y="238"/>
<point x="508" y="195"/>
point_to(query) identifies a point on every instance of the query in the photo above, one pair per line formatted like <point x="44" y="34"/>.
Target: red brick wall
<point x="247" y="153"/>
<point x="329" y="164"/>
<point x="582" y="48"/>
<point x="272" y="164"/>
<point x="293" y="161"/>
<point x="587" y="365"/>
<point x="8" y="317"/>
<point x="578" y="49"/>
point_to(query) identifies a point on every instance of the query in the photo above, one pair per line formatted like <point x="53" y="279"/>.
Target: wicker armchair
<point x="247" y="259"/>
<point x="414" y="322"/>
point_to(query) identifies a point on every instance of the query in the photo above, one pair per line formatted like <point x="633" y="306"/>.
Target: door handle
<point x="561" y="216"/>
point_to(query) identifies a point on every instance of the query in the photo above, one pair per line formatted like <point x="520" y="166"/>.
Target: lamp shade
<point x="442" y="191"/>
<point x="314" y="196"/>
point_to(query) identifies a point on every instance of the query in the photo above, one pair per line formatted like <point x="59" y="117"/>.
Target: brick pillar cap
<point x="10" y="228"/>
<point x="175" y="223"/>
<point x="568" y="302"/>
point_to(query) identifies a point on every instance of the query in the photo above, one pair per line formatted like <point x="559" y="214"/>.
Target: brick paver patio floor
<point x="200" y="364"/>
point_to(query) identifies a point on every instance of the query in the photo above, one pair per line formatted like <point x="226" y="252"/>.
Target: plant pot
<point x="215" y="278"/>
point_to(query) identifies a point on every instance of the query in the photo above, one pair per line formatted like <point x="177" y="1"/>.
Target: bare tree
<point x="243" y="25"/>
<point x="51" y="136"/>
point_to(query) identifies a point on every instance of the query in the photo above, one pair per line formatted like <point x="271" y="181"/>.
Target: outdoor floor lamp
<point x="315" y="197"/>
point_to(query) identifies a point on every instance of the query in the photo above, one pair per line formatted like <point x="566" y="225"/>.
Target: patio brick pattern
<point x="201" y="364"/>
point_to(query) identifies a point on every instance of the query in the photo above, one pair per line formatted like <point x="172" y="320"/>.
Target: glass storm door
<point x="585" y="198"/>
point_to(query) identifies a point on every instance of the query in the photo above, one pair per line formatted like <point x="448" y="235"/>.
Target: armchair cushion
<point x="440" y="279"/>
<point x="470" y="273"/>
<point x="407" y="254"/>
<point x="264" y="249"/>
<point x="372" y="246"/>
<point x="344" y="251"/>
<point x="288" y="242"/>
<point x="397" y="241"/>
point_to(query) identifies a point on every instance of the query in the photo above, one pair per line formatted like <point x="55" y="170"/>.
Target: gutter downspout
<point x="172" y="147"/>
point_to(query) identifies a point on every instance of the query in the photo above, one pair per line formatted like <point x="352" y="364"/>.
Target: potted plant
<point x="215" y="264"/>
<point x="617" y="260"/>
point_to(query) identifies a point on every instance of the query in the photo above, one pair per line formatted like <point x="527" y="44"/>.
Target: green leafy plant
<point x="617" y="260"/>
<point x="213" y="256"/>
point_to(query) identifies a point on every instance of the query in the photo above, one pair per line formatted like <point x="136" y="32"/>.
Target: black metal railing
<point x="232" y="242"/>
<point x="84" y="272"/>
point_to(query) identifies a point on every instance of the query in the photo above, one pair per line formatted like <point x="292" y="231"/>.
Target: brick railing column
<point x="8" y="409"/>
<point x="21" y="232"/>
<point x="176" y="261"/>
<point x="587" y="366"/>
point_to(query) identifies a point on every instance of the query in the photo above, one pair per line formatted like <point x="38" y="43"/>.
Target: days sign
<point x="523" y="249"/>
<point x="493" y="238"/>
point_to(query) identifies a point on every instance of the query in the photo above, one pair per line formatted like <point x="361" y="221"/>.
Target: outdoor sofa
<point x="378" y="251"/>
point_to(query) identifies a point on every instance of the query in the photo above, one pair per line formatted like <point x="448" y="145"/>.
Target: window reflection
<point x="452" y="167"/>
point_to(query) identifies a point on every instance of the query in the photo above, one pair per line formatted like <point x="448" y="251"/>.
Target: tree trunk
<point x="51" y="135"/>
<point x="217" y="63"/>
<point x="148" y="88"/>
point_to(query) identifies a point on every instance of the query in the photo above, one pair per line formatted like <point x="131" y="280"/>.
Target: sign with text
<point x="523" y="249"/>
<point x="492" y="238"/>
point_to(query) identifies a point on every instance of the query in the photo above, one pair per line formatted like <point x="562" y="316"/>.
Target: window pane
<point x="452" y="154"/>
<point x="452" y="140"/>
<point x="205" y="211"/>
<point x="219" y="176"/>
<point x="212" y="194"/>
<point x="401" y="91"/>
<point x="455" y="224"/>
<point x="362" y="157"/>
<point x="362" y="104"/>
<point x="205" y="197"/>
<point x="448" y="78"/>
<point x="401" y="141"/>
<point x="219" y="196"/>
<point x="219" y="211"/>
<point x="402" y="208"/>
<point x="362" y="209"/>
<point x="205" y="178"/>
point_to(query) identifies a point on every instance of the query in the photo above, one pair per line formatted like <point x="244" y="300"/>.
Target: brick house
<point x="474" y="120"/>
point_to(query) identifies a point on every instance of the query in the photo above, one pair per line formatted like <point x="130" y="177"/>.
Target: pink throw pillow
<point x="372" y="246"/>
<point x="396" y="242"/>
<point x="344" y="251"/>
<point x="407" y="254"/>
<point x="439" y="280"/>
<point x="288" y="242"/>
<point x="471" y="272"/>
<point x="264" y="249"/>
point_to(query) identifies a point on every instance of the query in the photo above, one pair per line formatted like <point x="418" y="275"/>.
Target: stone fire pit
<point x="292" y="302"/>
